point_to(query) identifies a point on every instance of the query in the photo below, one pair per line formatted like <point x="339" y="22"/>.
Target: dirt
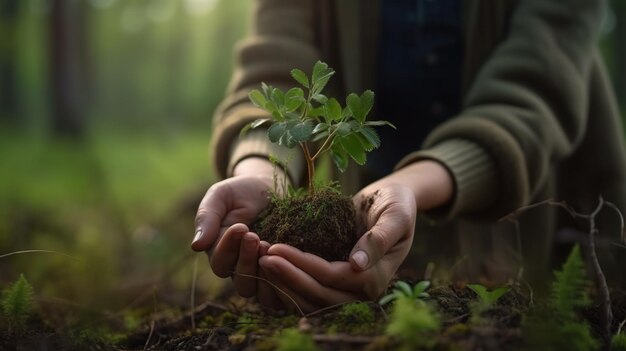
<point x="240" y="324"/>
<point x="322" y="223"/>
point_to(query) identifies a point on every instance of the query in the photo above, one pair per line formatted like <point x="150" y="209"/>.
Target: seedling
<point x="488" y="298"/>
<point x="17" y="303"/>
<point x="413" y="324"/>
<point x="319" y="222"/>
<point x="403" y="289"/>
<point x="316" y="123"/>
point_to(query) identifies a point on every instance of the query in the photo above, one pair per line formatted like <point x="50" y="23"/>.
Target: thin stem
<point x="310" y="165"/>
<point x="600" y="278"/>
<point x="193" y="294"/>
<point x="321" y="149"/>
<point x="37" y="251"/>
<point x="275" y="287"/>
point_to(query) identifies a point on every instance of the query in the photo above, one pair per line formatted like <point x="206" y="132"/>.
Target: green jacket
<point x="539" y="119"/>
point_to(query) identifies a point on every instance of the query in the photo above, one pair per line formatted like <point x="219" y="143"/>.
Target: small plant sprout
<point x="413" y="324"/>
<point x="403" y="289"/>
<point x="17" y="303"/>
<point x="488" y="298"/>
<point x="316" y="123"/>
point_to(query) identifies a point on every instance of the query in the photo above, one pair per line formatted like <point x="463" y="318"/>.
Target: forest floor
<point x="238" y="324"/>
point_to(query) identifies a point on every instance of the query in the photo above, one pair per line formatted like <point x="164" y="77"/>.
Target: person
<point x="499" y="104"/>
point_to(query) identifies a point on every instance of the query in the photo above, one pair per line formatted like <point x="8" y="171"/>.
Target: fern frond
<point x="568" y="290"/>
<point x="17" y="302"/>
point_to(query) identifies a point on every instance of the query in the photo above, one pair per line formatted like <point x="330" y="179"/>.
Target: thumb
<point x="378" y="241"/>
<point x="211" y="212"/>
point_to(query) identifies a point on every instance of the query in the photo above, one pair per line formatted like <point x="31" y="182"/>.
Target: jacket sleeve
<point x="278" y="42"/>
<point x="526" y="109"/>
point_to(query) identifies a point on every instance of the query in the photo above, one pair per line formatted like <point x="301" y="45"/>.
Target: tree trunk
<point x="65" y="78"/>
<point x="619" y="42"/>
<point x="8" y="81"/>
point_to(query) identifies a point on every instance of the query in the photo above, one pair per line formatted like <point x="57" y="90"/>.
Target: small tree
<point x="316" y="123"/>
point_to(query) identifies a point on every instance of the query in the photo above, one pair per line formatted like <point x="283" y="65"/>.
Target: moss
<point x="618" y="343"/>
<point x="322" y="223"/>
<point x="227" y="318"/>
<point x="291" y="339"/>
<point x="353" y="318"/>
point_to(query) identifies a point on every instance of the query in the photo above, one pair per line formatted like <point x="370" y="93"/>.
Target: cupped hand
<point x="222" y="228"/>
<point x="386" y="214"/>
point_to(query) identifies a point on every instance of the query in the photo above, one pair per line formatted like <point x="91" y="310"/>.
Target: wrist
<point x="430" y="182"/>
<point x="258" y="166"/>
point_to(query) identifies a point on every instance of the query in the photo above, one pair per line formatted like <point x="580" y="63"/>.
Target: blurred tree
<point x="8" y="80"/>
<point x="619" y="43"/>
<point x="68" y="36"/>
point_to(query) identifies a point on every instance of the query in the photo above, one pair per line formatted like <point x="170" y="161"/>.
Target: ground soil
<point x="322" y="223"/>
<point x="239" y="324"/>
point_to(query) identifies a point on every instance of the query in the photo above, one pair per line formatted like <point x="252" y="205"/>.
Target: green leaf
<point x="321" y="98"/>
<point x="353" y="147"/>
<point x="488" y="297"/>
<point x="300" y="77"/>
<point x="319" y="69"/>
<point x="278" y="96"/>
<point x="404" y="287"/>
<point x="277" y="116"/>
<point x="294" y="98"/>
<point x="421" y="287"/>
<point x="267" y="90"/>
<point x="380" y="123"/>
<point x="340" y="158"/>
<point x="386" y="299"/>
<point x="259" y="122"/>
<point x="321" y="76"/>
<point x="371" y="136"/>
<point x="252" y="125"/>
<point x="287" y="140"/>
<point x="320" y="136"/>
<point x="270" y="106"/>
<point x="257" y="98"/>
<point x="245" y="130"/>
<point x="332" y="110"/>
<point x="343" y="128"/>
<point x="354" y="103"/>
<point x="346" y="112"/>
<point x="276" y="131"/>
<point x="320" y="127"/>
<point x="302" y="131"/>
<point x="366" y="102"/>
<point x="315" y="112"/>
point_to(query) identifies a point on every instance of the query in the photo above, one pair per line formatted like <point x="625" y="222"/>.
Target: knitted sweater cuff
<point x="256" y="144"/>
<point x="472" y="170"/>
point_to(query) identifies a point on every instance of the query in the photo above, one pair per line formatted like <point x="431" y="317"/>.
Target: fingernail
<point x="360" y="258"/>
<point x="249" y="243"/>
<point x="197" y="236"/>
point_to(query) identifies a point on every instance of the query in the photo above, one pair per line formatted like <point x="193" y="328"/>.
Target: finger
<point x="212" y="210"/>
<point x="247" y="265"/>
<point x="226" y="253"/>
<point x="391" y="229"/>
<point x="288" y="298"/>
<point x="263" y="247"/>
<point x="266" y="294"/>
<point x="303" y="285"/>
<point x="338" y="274"/>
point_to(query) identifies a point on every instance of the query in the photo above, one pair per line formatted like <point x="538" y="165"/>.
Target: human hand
<point x="387" y="221"/>
<point x="386" y="211"/>
<point x="222" y="221"/>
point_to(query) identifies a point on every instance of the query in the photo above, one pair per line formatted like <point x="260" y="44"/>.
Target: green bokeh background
<point x="119" y="196"/>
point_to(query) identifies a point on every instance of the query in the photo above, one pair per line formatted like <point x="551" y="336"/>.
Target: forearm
<point x="430" y="182"/>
